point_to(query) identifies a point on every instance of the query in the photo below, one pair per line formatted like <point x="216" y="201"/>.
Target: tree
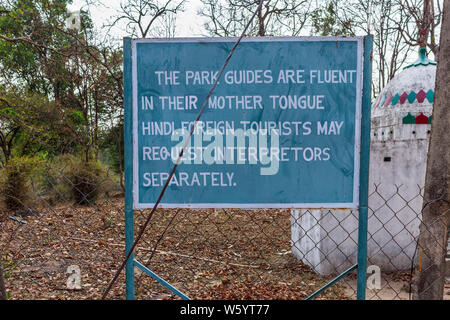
<point x="34" y="76"/>
<point x="421" y="23"/>
<point x="430" y="267"/>
<point x="30" y="124"/>
<point x="78" y="76"/>
<point x="327" y="22"/>
<point x="97" y="89"/>
<point x="227" y="18"/>
<point x="28" y="40"/>
<point x="384" y="19"/>
<point x="143" y="18"/>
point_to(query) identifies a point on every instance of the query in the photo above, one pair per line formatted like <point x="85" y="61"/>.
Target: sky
<point x="189" y="24"/>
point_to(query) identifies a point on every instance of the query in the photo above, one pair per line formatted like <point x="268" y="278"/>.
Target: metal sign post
<point x="364" y="174"/>
<point x="288" y="126"/>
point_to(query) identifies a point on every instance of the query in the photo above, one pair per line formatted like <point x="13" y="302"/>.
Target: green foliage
<point x="51" y="180"/>
<point x="109" y="144"/>
<point x="42" y="21"/>
<point x="31" y="125"/>
<point x="8" y="112"/>
<point x="7" y="264"/>
<point x="60" y="92"/>
<point x="76" y="117"/>
<point x="326" y="21"/>
<point x="15" y="182"/>
<point x="67" y="177"/>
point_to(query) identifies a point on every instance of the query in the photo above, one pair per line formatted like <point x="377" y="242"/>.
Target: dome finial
<point x="422" y="60"/>
<point x="422" y="53"/>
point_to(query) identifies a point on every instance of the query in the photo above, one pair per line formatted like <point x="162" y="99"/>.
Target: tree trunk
<point x="430" y="266"/>
<point x="261" y="27"/>
<point x="2" y="284"/>
<point x="427" y="20"/>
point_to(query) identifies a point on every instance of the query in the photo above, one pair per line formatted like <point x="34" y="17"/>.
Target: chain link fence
<point x="55" y="248"/>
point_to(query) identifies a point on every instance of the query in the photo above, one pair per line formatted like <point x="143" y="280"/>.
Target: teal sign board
<point x="282" y="129"/>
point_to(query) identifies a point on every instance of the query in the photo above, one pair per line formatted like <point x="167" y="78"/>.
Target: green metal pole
<point x="332" y="282"/>
<point x="128" y="147"/>
<point x="364" y="170"/>
<point x="362" y="254"/>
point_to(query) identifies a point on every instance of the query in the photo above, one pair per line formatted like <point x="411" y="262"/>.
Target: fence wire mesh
<point x="208" y="254"/>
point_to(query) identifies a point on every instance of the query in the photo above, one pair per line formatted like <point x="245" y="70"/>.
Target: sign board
<point x="282" y="129"/>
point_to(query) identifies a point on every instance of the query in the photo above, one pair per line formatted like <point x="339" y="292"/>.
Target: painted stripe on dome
<point x="403" y="97"/>
<point x="430" y="96"/>
<point x="409" y="119"/>
<point x="385" y="100"/>
<point x="421" y="95"/>
<point x="395" y="99"/>
<point x="421" y="119"/>
<point x="411" y="97"/>
<point x="382" y="100"/>
<point x="388" y="99"/>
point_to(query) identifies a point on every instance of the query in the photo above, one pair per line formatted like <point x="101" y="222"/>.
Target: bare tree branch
<point x="276" y="17"/>
<point x="143" y="18"/>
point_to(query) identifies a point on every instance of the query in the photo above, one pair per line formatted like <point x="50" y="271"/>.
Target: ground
<point x="207" y="254"/>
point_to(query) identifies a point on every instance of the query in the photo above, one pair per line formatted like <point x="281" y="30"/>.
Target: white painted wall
<point x="326" y="240"/>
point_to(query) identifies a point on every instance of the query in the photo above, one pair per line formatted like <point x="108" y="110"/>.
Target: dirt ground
<point x="391" y="288"/>
<point x="207" y="254"/>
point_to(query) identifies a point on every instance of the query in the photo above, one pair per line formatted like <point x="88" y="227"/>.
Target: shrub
<point x="53" y="185"/>
<point x="15" y="182"/>
<point x="67" y="177"/>
<point x="85" y="180"/>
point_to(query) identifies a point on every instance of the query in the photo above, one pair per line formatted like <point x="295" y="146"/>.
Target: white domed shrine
<point x="406" y="99"/>
<point x="400" y="128"/>
<point x="401" y="118"/>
